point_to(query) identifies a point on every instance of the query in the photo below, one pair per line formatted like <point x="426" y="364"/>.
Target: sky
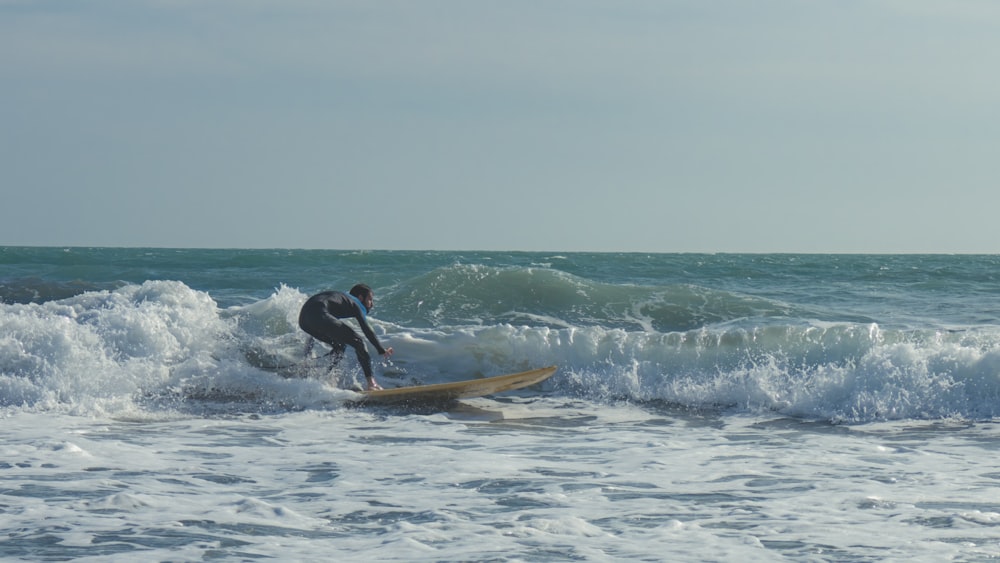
<point x="567" y="125"/>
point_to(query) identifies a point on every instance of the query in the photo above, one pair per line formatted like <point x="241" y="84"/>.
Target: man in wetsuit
<point x="320" y="317"/>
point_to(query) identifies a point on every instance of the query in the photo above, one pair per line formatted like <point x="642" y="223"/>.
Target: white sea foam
<point x="572" y="480"/>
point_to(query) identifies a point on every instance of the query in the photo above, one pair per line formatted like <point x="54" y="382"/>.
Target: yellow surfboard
<point x="443" y="392"/>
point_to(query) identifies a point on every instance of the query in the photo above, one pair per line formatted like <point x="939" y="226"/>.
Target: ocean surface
<point x="157" y="405"/>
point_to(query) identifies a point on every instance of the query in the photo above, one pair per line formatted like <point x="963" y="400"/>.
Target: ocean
<point x="157" y="405"/>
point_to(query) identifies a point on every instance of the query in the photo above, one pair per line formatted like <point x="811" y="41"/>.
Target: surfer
<point x="320" y="318"/>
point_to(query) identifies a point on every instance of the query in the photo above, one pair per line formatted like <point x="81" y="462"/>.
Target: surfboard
<point x="444" y="392"/>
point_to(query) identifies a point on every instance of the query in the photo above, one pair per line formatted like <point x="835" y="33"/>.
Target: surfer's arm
<point x="370" y="335"/>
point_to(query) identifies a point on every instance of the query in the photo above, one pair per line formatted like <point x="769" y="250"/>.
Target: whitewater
<point x="157" y="404"/>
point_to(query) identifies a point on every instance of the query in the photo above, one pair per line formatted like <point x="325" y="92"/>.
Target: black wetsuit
<point x="320" y="317"/>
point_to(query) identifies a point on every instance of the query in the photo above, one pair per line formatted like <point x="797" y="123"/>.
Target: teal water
<point x="156" y="405"/>
<point x="940" y="289"/>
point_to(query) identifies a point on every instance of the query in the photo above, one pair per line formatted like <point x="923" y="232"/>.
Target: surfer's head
<point x="365" y="295"/>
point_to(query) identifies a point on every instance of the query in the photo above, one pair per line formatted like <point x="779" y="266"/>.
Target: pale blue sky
<point x="662" y="126"/>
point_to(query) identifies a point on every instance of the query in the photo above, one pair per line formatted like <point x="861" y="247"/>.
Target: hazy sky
<point x="662" y="126"/>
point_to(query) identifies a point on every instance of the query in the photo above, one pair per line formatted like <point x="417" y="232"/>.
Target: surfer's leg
<point x="363" y="357"/>
<point x="336" y="353"/>
<point x="326" y="328"/>
<point x="366" y="362"/>
<point x="340" y="337"/>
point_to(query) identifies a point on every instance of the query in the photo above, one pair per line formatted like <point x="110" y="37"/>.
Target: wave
<point x="476" y="295"/>
<point x="161" y="345"/>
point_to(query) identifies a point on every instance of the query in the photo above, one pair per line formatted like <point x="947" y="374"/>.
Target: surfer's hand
<point x="388" y="352"/>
